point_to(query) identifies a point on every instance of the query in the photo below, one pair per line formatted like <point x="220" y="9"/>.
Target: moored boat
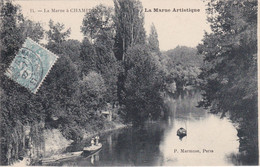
<point x="61" y="157"/>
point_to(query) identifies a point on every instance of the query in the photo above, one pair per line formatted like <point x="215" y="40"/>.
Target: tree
<point x="92" y="90"/>
<point x="59" y="88"/>
<point x="11" y="35"/>
<point x="97" y="52"/>
<point x="153" y="40"/>
<point x="87" y="56"/>
<point x="32" y="30"/>
<point x="129" y="26"/>
<point x="129" y="23"/>
<point x="72" y="49"/>
<point x="229" y="72"/>
<point x="56" y="36"/>
<point x="143" y="86"/>
<point x="98" y="20"/>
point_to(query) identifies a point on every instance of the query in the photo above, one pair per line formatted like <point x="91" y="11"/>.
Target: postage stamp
<point x="31" y="65"/>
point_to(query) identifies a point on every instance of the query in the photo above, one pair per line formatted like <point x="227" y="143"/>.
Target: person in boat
<point x="181" y="132"/>
<point x="92" y="142"/>
<point x="97" y="139"/>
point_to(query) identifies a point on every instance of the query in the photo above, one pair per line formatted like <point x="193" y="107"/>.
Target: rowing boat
<point x="91" y="149"/>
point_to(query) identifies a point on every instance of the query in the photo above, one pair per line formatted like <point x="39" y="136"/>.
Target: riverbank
<point x="55" y="143"/>
<point x="117" y="126"/>
<point x="86" y="136"/>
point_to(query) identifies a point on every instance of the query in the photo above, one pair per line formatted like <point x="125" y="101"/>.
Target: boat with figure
<point x="181" y="132"/>
<point x="91" y="149"/>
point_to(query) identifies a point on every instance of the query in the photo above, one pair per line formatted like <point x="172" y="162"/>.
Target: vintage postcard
<point x="129" y="83"/>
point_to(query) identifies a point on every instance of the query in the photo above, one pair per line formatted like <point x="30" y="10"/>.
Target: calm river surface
<point x="158" y="144"/>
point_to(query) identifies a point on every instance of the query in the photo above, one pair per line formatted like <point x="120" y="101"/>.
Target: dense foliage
<point x="117" y="68"/>
<point x="143" y="86"/>
<point x="229" y="72"/>
<point x="18" y="106"/>
<point x="113" y="68"/>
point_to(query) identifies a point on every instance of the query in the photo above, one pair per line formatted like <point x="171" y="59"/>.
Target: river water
<point x="209" y="141"/>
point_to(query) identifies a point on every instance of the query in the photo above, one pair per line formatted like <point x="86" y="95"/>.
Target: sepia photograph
<point x="129" y="83"/>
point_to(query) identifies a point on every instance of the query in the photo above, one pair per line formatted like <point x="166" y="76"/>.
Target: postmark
<point x="31" y="65"/>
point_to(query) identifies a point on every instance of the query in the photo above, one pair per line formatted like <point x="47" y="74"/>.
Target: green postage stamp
<point x="31" y="65"/>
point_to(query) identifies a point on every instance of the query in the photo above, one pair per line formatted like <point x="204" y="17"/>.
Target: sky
<point x="173" y="28"/>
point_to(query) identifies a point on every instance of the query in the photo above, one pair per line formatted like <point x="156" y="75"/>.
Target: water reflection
<point x="209" y="139"/>
<point x="216" y="136"/>
<point x="158" y="144"/>
<point x="94" y="158"/>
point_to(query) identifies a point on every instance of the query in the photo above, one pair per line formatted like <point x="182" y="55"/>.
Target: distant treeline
<point x="116" y="67"/>
<point x="184" y="64"/>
